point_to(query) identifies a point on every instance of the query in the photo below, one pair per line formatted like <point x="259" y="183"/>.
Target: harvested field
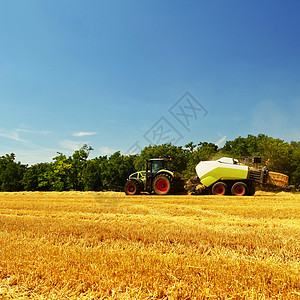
<point x="86" y="245"/>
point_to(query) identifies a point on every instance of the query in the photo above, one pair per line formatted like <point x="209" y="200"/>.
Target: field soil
<point x="88" y="245"/>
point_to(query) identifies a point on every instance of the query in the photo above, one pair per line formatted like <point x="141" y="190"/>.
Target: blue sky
<point x="118" y="75"/>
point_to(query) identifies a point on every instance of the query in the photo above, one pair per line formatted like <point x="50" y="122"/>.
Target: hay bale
<point x="278" y="179"/>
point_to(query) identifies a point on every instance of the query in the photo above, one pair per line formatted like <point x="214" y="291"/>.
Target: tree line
<point x="78" y="172"/>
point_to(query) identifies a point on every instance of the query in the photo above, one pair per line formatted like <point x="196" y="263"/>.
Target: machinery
<point x="224" y="176"/>
<point x="157" y="178"/>
<point x="227" y="176"/>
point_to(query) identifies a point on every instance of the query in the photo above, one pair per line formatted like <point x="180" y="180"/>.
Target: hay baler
<point x="226" y="176"/>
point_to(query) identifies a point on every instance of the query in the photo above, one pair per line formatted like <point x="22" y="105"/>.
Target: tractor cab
<point x="156" y="164"/>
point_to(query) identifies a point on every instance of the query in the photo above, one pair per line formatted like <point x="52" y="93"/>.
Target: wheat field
<point x="87" y="245"/>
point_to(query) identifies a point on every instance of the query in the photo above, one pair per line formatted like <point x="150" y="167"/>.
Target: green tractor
<point x="157" y="178"/>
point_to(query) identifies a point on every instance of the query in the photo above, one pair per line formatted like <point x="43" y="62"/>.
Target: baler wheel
<point x="219" y="188"/>
<point x="239" y="189"/>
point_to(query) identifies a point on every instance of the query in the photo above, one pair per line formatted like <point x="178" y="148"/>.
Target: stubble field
<point x="75" y="245"/>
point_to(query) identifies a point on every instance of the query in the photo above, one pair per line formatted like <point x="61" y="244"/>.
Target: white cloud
<point x="38" y="155"/>
<point x="43" y="132"/>
<point x="26" y="151"/>
<point x="220" y="142"/>
<point x="106" y="151"/>
<point x="82" y="133"/>
<point x="12" y="135"/>
<point x="71" y="145"/>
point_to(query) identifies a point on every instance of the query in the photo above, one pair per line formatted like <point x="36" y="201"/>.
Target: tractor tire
<point x="239" y="189"/>
<point x="132" y="187"/>
<point x="219" y="188"/>
<point x="162" y="184"/>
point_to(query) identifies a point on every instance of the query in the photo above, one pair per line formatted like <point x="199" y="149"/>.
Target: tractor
<point x="157" y="178"/>
<point x="225" y="176"/>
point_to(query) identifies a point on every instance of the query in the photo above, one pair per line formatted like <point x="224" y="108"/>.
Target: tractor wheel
<point x="239" y="189"/>
<point x="219" y="188"/>
<point x="162" y="184"/>
<point x="132" y="187"/>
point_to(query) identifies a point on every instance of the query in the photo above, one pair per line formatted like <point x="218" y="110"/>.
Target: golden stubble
<point x="87" y="245"/>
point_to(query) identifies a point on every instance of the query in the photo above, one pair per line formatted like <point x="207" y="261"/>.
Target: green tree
<point x="190" y="147"/>
<point x="78" y="163"/>
<point x="92" y="174"/>
<point x="11" y="173"/>
<point x="295" y="164"/>
<point x="60" y="175"/>
<point x="37" y="177"/>
<point x="241" y="146"/>
<point x="116" y="170"/>
<point x="79" y="173"/>
<point x="278" y="152"/>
